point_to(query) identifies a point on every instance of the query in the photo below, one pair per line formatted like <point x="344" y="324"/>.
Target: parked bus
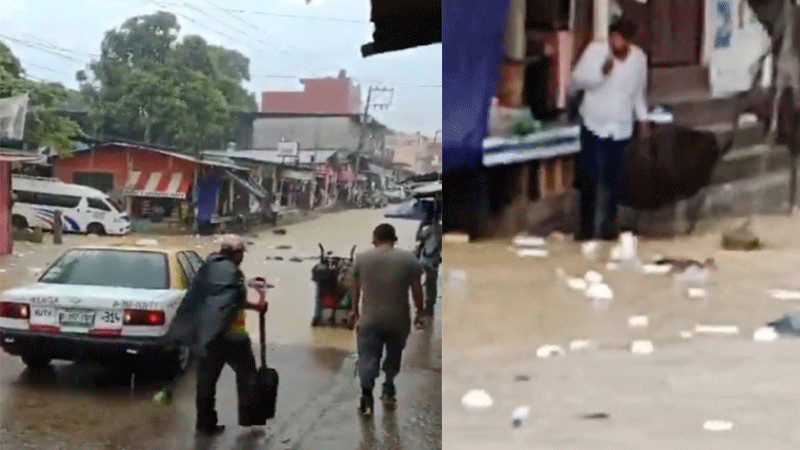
<point x="83" y="209"/>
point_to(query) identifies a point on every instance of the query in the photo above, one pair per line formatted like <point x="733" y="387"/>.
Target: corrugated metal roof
<point x="272" y="157"/>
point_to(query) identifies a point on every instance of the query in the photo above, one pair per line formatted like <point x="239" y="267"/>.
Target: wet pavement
<point x="506" y="307"/>
<point x="82" y="405"/>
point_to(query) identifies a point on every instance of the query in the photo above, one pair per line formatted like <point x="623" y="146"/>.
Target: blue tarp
<point x="206" y="197"/>
<point x="471" y="56"/>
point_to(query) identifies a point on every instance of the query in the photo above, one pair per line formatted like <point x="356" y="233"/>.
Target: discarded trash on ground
<point x="455" y="238"/>
<point x="642" y="347"/>
<point x="548" y="351"/>
<point x="765" y="334"/>
<point x="519" y="416"/>
<point x="786" y="295"/>
<point x="741" y="239"/>
<point x="582" y="344"/>
<point x="638" y="321"/>
<point x="788" y="324"/>
<point x="477" y="399"/>
<point x="717" y="425"/>
<point x="531" y="252"/>
<point x="729" y="330"/>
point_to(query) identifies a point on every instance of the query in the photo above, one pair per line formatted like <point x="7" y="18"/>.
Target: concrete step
<point x="745" y="162"/>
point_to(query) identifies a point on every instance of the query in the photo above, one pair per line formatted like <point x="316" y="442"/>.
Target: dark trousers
<point x="431" y="284"/>
<point x="599" y="163"/>
<point x="235" y="352"/>
<point x="371" y="343"/>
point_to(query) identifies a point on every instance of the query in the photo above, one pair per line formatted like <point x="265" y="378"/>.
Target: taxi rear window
<point x="114" y="268"/>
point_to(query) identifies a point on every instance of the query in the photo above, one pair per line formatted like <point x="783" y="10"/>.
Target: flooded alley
<point x="83" y="405"/>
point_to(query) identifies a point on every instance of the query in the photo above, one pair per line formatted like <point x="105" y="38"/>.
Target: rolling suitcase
<point x="265" y="388"/>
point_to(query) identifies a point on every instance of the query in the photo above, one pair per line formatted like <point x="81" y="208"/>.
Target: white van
<point x="83" y="209"/>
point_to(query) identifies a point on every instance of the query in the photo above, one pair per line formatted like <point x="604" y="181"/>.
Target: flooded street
<point x="501" y="308"/>
<point x="79" y="405"/>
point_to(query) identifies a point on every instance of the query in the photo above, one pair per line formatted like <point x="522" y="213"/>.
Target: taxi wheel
<point x="36" y="362"/>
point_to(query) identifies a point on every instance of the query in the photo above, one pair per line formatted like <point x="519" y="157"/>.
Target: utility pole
<point x="365" y="118"/>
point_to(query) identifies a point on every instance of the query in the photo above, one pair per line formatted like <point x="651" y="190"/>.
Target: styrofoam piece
<point x="730" y="330"/>
<point x="765" y="334"/>
<point x="786" y="295"/>
<point x="642" y="347"/>
<point x="638" y="321"/>
<point x="685" y="334"/>
<point x="532" y="252"/>
<point x="696" y="292"/>
<point x="455" y="238"/>
<point x="520" y="415"/>
<point x="717" y="425"/>
<point x="593" y="277"/>
<point x="528" y="241"/>
<point x="656" y="269"/>
<point x="589" y="249"/>
<point x="578" y="284"/>
<point x="582" y="344"/>
<point x="477" y="399"/>
<point x="600" y="291"/>
<point x="547" y="351"/>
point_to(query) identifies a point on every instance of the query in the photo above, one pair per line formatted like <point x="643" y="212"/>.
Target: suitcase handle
<point x="263" y="338"/>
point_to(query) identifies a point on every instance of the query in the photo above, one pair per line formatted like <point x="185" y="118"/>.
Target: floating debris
<point x="717" y="329"/>
<point x="278" y="258"/>
<point x="548" y="351"/>
<point x="686" y="334"/>
<point x="788" y="324"/>
<point x="283" y="247"/>
<point x="296" y="259"/>
<point x="279" y="231"/>
<point x="596" y="416"/>
<point x="611" y="266"/>
<point x="765" y="334"/>
<point x="717" y="425"/>
<point x="532" y="252"/>
<point x="578" y="284"/>
<point x="528" y="241"/>
<point x="600" y="291"/>
<point x="589" y="249"/>
<point x="521" y="378"/>
<point x="593" y="277"/>
<point x="520" y="415"/>
<point x="785" y="295"/>
<point x="638" y="321"/>
<point x="477" y="399"/>
<point x="642" y="347"/>
<point x="656" y="269"/>
<point x="582" y="344"/>
<point x="696" y="293"/>
<point x="455" y="238"/>
<point x="147" y="242"/>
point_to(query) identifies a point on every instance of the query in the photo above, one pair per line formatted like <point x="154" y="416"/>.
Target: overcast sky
<point x="281" y="49"/>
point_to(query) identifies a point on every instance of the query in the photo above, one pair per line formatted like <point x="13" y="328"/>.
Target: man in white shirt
<point x="613" y="78"/>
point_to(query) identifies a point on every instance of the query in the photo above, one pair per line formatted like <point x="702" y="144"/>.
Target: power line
<point x="39" y="47"/>
<point x="298" y="16"/>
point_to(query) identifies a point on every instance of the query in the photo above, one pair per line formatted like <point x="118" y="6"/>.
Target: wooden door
<point x="670" y="31"/>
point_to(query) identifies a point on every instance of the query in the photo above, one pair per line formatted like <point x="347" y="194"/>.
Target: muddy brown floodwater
<point x="501" y="308"/>
<point x="82" y="405"/>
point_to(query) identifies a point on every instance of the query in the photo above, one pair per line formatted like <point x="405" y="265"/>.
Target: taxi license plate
<point x="76" y="318"/>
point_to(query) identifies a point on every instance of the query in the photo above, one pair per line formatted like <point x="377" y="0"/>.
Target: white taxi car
<point x="106" y="304"/>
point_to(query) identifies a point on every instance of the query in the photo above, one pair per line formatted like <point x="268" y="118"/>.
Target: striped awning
<point x="157" y="184"/>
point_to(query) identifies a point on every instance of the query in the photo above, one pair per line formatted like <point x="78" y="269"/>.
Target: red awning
<point x="157" y="184"/>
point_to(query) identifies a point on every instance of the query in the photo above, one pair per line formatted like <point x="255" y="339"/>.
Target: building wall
<point x="319" y="95"/>
<point x="114" y="161"/>
<point x="336" y="132"/>
<point x="406" y="148"/>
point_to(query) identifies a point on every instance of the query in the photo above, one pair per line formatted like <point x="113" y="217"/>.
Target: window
<point x="114" y="268"/>
<point x="97" y="203"/>
<point x="102" y="181"/>
<point x="195" y="260"/>
<point x="62" y="201"/>
<point x="186" y="267"/>
<point x="25" y="197"/>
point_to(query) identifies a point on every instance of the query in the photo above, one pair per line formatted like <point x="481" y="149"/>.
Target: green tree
<point x="149" y="86"/>
<point x="44" y="125"/>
